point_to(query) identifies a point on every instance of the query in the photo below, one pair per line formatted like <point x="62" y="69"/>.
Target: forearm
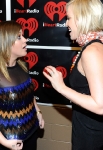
<point x="39" y="115"/>
<point x="36" y="106"/>
<point x="3" y="140"/>
<point x="83" y="100"/>
<point x="11" y="144"/>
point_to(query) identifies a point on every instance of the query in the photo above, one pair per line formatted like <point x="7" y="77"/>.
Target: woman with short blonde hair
<point x="85" y="25"/>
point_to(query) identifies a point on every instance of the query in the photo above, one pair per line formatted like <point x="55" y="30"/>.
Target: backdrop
<point x="48" y="42"/>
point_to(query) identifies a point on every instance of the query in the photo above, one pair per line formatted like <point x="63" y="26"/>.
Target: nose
<point x="25" y="39"/>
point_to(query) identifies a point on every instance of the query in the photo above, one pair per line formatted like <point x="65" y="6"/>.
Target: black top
<point x="79" y="83"/>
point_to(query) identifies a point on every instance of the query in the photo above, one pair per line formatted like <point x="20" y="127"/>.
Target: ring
<point x="51" y="73"/>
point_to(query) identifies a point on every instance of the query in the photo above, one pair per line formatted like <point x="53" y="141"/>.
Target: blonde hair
<point x="9" y="31"/>
<point x="88" y="14"/>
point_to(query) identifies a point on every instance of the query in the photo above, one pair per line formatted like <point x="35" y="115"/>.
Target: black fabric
<point x="17" y="74"/>
<point x="87" y="127"/>
<point x="31" y="143"/>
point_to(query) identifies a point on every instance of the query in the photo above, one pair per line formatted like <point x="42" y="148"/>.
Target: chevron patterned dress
<point x="18" y="119"/>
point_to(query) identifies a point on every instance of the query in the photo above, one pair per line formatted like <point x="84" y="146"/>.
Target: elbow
<point x="100" y="111"/>
<point x="98" y="107"/>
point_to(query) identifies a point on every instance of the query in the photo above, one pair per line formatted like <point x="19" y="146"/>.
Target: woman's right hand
<point x="55" y="77"/>
<point x="12" y="144"/>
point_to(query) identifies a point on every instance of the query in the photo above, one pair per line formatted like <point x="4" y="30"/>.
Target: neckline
<point x="11" y="67"/>
<point x="83" y="48"/>
<point x="92" y="41"/>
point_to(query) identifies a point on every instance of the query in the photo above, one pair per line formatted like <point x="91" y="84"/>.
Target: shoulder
<point x="94" y="50"/>
<point x="92" y="58"/>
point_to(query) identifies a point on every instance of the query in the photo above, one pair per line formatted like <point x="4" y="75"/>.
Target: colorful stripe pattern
<point x="18" y="118"/>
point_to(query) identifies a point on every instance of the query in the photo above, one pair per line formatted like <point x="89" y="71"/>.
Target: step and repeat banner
<point x="2" y="10"/>
<point x="43" y="23"/>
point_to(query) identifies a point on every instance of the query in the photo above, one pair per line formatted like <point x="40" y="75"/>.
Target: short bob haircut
<point x="88" y="13"/>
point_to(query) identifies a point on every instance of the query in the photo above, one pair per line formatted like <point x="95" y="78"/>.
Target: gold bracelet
<point x="39" y="112"/>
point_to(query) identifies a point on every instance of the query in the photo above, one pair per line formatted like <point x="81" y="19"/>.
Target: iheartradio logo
<point x="52" y="8"/>
<point x="31" y="24"/>
<point x="21" y="2"/>
<point x="31" y="58"/>
<point x="62" y="70"/>
<point x="36" y="85"/>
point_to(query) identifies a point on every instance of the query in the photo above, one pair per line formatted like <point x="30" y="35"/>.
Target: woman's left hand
<point x="41" y="120"/>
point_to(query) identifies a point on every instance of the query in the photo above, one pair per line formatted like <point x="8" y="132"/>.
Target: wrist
<point x="38" y="112"/>
<point x="62" y="89"/>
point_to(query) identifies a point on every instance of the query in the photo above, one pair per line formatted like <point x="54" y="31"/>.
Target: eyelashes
<point x="68" y="18"/>
<point x="19" y="37"/>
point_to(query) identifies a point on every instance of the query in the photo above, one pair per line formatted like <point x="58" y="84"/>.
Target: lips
<point x="24" y="47"/>
<point x="69" y="29"/>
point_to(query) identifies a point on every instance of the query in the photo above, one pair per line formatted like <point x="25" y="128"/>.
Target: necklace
<point x="75" y="59"/>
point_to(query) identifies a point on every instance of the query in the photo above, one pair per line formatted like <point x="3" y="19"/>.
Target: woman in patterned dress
<point x="20" y="116"/>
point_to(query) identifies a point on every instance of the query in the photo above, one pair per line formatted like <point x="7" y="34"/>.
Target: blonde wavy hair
<point x="88" y="14"/>
<point x="9" y="31"/>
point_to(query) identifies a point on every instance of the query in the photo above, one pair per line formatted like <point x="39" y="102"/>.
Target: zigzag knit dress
<point x="18" y="119"/>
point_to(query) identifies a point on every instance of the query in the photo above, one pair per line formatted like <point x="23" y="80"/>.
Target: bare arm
<point x="92" y="64"/>
<point x="39" y="115"/>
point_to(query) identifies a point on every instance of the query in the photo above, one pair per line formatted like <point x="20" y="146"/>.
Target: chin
<point x="72" y="38"/>
<point x="25" y="53"/>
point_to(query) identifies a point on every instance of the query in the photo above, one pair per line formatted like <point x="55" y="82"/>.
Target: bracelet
<point x="39" y="112"/>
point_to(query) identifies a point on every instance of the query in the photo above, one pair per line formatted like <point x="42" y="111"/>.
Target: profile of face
<point x="71" y="23"/>
<point x="19" y="47"/>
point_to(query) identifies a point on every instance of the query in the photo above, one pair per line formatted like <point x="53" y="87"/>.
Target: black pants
<point x="30" y="143"/>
